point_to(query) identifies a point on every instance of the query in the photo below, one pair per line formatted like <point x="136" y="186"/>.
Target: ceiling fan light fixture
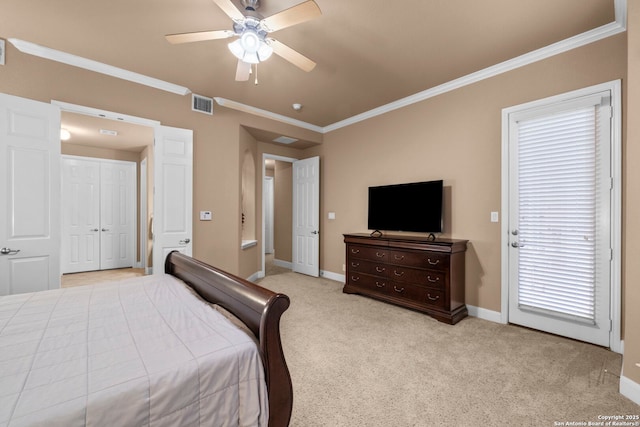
<point x="265" y="51"/>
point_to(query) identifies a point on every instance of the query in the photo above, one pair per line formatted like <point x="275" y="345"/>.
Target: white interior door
<point x="29" y="195"/>
<point x="173" y="195"/>
<point x="81" y="215"/>
<point x="306" y="216"/>
<point x="560" y="248"/>
<point x="117" y="214"/>
<point x="98" y="216"/>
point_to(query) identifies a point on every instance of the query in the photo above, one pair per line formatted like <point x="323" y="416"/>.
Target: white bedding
<point x="139" y="352"/>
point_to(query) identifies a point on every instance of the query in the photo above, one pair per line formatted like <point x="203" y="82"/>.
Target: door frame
<point x="266" y="156"/>
<point x="95" y="112"/>
<point x="615" y="341"/>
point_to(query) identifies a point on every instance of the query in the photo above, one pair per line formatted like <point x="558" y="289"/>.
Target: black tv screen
<point x="414" y="207"/>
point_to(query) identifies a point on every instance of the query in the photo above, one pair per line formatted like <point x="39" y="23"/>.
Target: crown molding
<point x="583" y="39"/>
<point x="223" y="102"/>
<point x="98" y="67"/>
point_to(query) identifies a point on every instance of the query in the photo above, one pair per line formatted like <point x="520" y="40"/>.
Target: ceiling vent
<point x="202" y="104"/>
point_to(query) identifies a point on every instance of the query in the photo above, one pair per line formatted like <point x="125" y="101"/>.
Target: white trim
<point x="104" y="114"/>
<point x="615" y="87"/>
<point x="332" y="276"/>
<point x="234" y="105"/>
<point x="255" y="276"/>
<point x="483" y="313"/>
<point x="630" y="389"/>
<point x="246" y="244"/>
<point x="98" y="67"/>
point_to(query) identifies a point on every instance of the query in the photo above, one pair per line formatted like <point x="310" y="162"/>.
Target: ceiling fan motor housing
<point x="251" y="4"/>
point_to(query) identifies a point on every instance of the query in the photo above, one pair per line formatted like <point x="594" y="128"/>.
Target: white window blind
<point x="559" y="193"/>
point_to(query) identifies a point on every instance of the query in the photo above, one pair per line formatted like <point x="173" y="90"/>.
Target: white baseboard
<point x="630" y="389"/>
<point x="283" y="264"/>
<point x="255" y="276"/>
<point x="332" y="276"/>
<point x="483" y="313"/>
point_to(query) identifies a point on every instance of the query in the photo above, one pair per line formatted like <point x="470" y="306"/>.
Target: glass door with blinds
<point x="559" y="227"/>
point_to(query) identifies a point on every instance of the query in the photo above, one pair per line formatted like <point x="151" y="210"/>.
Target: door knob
<point x="94" y="229"/>
<point x="315" y="232"/>
<point x="105" y="229"/>
<point x="517" y="245"/>
<point x="8" y="251"/>
<point x="185" y="241"/>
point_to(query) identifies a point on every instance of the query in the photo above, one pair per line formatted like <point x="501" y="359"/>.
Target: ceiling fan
<point x="253" y="44"/>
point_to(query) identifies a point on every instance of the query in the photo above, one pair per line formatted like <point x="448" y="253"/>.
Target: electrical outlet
<point x="205" y="215"/>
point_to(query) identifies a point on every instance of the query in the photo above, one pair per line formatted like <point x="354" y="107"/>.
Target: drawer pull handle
<point x="355" y="278"/>
<point x="436" y="298"/>
<point x="380" y="254"/>
<point x="436" y="280"/>
<point x="355" y="251"/>
<point x="380" y="269"/>
<point x="436" y="262"/>
<point x="398" y="273"/>
<point x="399" y="258"/>
<point x="401" y="290"/>
<point x="380" y="285"/>
<point x="355" y="264"/>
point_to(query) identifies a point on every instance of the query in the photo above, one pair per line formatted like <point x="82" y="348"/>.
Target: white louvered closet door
<point x="559" y="220"/>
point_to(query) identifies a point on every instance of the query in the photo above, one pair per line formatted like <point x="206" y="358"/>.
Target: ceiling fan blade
<point x="228" y="7"/>
<point x="243" y="71"/>
<point x="199" y="36"/>
<point x="292" y="16"/>
<point x="297" y="59"/>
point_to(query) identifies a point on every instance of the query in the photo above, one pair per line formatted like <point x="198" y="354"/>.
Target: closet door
<point x="117" y="214"/>
<point x="81" y="215"/>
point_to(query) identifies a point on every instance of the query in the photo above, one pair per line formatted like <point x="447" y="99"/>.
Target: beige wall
<point x="631" y="223"/>
<point x="455" y="137"/>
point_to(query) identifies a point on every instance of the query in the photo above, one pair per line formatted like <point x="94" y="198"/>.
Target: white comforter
<point x="139" y="352"/>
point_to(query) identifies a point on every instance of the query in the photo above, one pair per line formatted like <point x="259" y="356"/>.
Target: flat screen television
<point x="415" y="206"/>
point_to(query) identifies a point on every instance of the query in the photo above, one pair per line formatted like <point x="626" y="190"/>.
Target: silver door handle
<point x="315" y="232"/>
<point x="94" y="229"/>
<point x="8" y="251"/>
<point x="517" y="245"/>
<point x="105" y="229"/>
<point x="185" y="241"/>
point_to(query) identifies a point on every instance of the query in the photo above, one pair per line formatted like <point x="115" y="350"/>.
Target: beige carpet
<point x="355" y="361"/>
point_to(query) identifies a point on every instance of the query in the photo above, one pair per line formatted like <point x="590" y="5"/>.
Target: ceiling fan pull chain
<point x="256" y="81"/>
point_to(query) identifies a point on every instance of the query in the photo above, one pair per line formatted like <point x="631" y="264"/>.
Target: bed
<point x="195" y="346"/>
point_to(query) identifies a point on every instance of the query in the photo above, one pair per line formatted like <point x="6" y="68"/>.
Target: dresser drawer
<point x="419" y="294"/>
<point x="430" y="260"/>
<point x="366" y="252"/>
<point x="370" y="283"/>
<point x="368" y="267"/>
<point x="433" y="278"/>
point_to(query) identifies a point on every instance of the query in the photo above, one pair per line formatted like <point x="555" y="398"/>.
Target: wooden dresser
<point x="411" y="271"/>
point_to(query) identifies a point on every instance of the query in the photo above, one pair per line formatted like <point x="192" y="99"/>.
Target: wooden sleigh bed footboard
<point x="259" y="309"/>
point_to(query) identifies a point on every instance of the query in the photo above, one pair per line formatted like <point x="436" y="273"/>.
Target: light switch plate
<point x="205" y="215"/>
<point x="494" y="217"/>
<point x="331" y="215"/>
<point x="2" y="52"/>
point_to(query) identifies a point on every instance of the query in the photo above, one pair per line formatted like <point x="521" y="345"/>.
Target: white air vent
<point x="202" y="104"/>
<point x="284" y="140"/>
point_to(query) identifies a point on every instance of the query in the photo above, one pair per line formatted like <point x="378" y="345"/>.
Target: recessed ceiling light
<point x="285" y="140"/>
